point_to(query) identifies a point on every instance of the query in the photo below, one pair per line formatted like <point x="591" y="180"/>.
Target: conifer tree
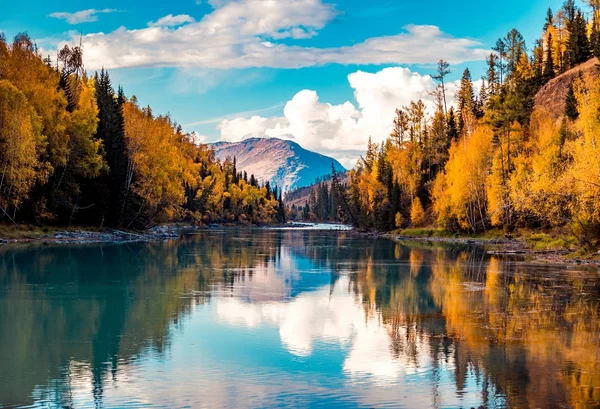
<point x="571" y="110"/>
<point x="492" y="74"/>
<point x="595" y="35"/>
<point x="466" y="102"/>
<point x="549" y="72"/>
<point x="443" y="69"/>
<point x="452" y="128"/>
<point x="549" y="20"/>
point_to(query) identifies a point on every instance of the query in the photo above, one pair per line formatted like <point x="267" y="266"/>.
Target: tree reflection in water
<point x="527" y="335"/>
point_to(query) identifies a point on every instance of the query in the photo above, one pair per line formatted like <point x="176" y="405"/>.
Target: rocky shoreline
<point x="509" y="247"/>
<point x="82" y="236"/>
<point x="498" y="247"/>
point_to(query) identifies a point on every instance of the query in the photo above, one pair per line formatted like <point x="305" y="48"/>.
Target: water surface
<point x="293" y="319"/>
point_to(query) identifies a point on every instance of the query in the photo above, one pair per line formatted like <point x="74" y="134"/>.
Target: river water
<point x="256" y="318"/>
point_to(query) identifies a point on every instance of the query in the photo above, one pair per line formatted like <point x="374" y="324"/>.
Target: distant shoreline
<point x="90" y="235"/>
<point x="499" y="246"/>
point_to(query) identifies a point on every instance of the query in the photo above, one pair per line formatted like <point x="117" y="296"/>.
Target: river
<point x="292" y="318"/>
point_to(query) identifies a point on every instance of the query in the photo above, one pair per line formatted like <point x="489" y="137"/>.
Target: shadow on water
<point x="515" y="334"/>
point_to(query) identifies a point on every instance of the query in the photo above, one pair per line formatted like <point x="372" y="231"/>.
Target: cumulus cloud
<point x="172" y="21"/>
<point x="247" y="33"/>
<point x="83" y="16"/>
<point x="342" y="130"/>
<point x="329" y="316"/>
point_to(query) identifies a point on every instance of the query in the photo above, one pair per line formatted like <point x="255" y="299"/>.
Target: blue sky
<point x="230" y="69"/>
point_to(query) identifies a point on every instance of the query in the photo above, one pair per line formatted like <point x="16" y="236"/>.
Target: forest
<point x="75" y="151"/>
<point x="492" y="159"/>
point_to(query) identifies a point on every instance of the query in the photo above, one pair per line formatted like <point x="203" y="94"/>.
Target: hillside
<point x="299" y="197"/>
<point x="551" y="96"/>
<point x="284" y="163"/>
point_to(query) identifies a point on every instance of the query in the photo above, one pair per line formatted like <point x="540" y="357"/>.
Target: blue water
<point x="293" y="319"/>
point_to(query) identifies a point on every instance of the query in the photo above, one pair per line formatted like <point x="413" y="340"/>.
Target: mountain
<point x="284" y="163"/>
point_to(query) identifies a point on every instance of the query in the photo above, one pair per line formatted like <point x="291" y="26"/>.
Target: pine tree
<point x="112" y="189"/>
<point x="538" y="62"/>
<point x="500" y="49"/>
<point x="571" y="110"/>
<point x="481" y="100"/>
<point x="549" y="20"/>
<point x="549" y="72"/>
<point x="465" y="102"/>
<point x="595" y="35"/>
<point x="584" y="49"/>
<point x="578" y="45"/>
<point x="452" y="128"/>
<point x="492" y="74"/>
<point x="442" y="71"/>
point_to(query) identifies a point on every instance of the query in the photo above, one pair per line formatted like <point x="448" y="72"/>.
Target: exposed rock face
<point x="283" y="163"/>
<point x="551" y="97"/>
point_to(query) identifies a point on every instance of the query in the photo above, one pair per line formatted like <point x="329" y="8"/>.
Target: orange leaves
<point x="19" y="143"/>
<point x="417" y="213"/>
<point x="155" y="162"/>
<point x="459" y="193"/>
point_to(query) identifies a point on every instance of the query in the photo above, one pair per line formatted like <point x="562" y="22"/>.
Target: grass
<point x="422" y="232"/>
<point x="27" y="231"/>
<point x="549" y="242"/>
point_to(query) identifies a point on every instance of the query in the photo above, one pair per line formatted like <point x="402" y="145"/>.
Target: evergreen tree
<point x="465" y="101"/>
<point x="595" y="35"/>
<point x="538" y="62"/>
<point x="578" y="45"/>
<point x="442" y="71"/>
<point x="500" y="49"/>
<point x="549" y="20"/>
<point x="112" y="189"/>
<point x="549" y="72"/>
<point x="571" y="110"/>
<point x="492" y="74"/>
<point x="452" y="128"/>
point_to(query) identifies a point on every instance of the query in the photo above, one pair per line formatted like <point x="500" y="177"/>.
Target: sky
<point x="326" y="74"/>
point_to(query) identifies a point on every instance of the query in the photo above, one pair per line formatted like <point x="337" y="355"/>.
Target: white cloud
<point x="342" y="130"/>
<point x="172" y="21"/>
<point x="329" y="316"/>
<point x="198" y="139"/>
<point x="83" y="16"/>
<point x="246" y="33"/>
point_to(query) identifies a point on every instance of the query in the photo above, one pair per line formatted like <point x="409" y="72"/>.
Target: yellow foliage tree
<point x="459" y="194"/>
<point x="417" y="213"/>
<point x="20" y="145"/>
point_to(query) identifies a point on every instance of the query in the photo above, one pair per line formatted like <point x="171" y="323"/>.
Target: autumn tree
<point x="21" y="144"/>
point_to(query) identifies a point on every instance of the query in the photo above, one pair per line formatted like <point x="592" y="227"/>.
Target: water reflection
<point x="293" y="319"/>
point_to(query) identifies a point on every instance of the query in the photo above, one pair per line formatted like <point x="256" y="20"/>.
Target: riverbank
<point x="81" y="235"/>
<point x="534" y="246"/>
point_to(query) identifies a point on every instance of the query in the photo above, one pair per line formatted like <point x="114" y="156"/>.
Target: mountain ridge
<point x="284" y="163"/>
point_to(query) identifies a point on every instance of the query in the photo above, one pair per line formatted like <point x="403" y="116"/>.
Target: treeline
<point x="321" y="201"/>
<point x="73" y="150"/>
<point x="490" y="161"/>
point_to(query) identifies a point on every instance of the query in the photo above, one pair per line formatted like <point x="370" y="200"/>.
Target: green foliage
<point x="571" y="111"/>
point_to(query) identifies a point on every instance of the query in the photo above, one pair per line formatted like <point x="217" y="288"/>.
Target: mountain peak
<point x="282" y="162"/>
